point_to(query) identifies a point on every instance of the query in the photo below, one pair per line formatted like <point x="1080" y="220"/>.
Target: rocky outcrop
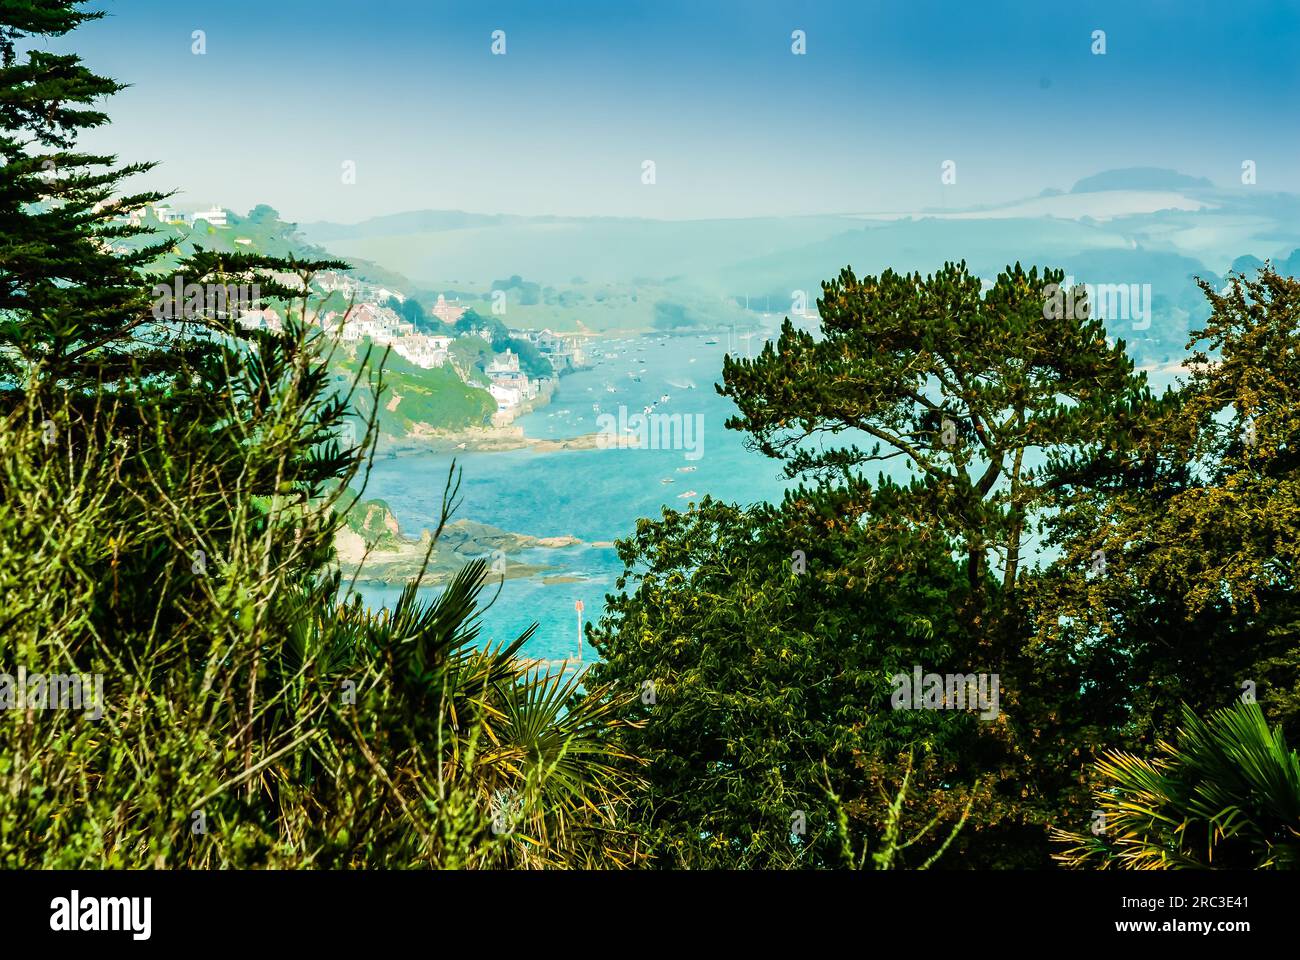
<point x="424" y="439"/>
<point x="392" y="557"/>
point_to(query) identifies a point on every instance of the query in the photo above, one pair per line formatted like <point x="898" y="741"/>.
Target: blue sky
<point x="736" y="124"/>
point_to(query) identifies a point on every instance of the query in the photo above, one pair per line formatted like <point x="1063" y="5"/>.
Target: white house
<point x="504" y="372"/>
<point x="266" y="319"/>
<point x="216" y="216"/>
<point x="506" y="363"/>
<point x="423" y="351"/>
<point x="506" y="397"/>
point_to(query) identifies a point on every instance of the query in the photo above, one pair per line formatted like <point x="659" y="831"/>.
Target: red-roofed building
<point x="447" y="312"/>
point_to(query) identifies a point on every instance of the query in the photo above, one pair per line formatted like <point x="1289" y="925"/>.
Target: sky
<point x="289" y="96"/>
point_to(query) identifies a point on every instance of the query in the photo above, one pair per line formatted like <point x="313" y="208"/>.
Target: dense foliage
<point x="1164" y="579"/>
<point x="186" y="682"/>
<point x="1226" y="796"/>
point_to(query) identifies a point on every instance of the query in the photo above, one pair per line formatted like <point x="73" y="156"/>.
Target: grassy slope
<point x="269" y="237"/>
<point x="436" y="398"/>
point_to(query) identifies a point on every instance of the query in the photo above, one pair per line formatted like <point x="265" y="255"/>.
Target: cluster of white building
<point x="163" y="213"/>
<point x="352" y="289"/>
<point x="382" y="326"/>
<point x="369" y="319"/>
<point x="509" y="385"/>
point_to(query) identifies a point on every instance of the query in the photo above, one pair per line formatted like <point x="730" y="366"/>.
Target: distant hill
<point x="1140" y="178"/>
<point x="441" y="249"/>
<point x="1140" y="225"/>
<point x="1288" y="266"/>
<point x="415" y="221"/>
<point x="259" y="231"/>
<point x="1137" y="209"/>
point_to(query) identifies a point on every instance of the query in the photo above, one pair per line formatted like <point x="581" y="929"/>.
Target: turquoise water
<point x="595" y="495"/>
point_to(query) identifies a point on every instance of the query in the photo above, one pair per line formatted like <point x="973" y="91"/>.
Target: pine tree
<point x="973" y="389"/>
<point x="180" y="392"/>
<point x="74" y="304"/>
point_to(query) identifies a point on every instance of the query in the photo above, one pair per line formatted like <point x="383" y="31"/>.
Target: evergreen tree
<point x="973" y="390"/>
<point x="74" y="308"/>
<point x="1196" y="518"/>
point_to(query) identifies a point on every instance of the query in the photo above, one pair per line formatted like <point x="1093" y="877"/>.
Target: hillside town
<point x="365" y="314"/>
<point x="163" y="213"/>
<point x="369" y="318"/>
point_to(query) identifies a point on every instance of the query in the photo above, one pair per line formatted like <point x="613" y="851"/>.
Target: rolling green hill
<point x="416" y="397"/>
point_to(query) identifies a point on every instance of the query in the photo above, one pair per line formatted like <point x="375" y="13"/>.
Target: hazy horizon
<point x="737" y="125"/>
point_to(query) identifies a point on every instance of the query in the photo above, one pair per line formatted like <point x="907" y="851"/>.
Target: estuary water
<point x="594" y="495"/>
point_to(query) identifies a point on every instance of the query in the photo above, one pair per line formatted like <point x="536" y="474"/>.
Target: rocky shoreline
<point x="479" y="439"/>
<point x="398" y="559"/>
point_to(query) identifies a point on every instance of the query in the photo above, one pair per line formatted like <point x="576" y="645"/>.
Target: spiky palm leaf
<point x="1228" y="795"/>
<point x="553" y="757"/>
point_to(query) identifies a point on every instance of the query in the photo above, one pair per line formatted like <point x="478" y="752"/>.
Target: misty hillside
<point x="1133" y="226"/>
<point x="1145" y="211"/>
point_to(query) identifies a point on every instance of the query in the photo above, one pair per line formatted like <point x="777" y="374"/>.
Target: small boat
<point x="686" y="469"/>
<point x="663" y="398"/>
<point x="667" y="480"/>
<point x="712" y="341"/>
<point x="688" y="493"/>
